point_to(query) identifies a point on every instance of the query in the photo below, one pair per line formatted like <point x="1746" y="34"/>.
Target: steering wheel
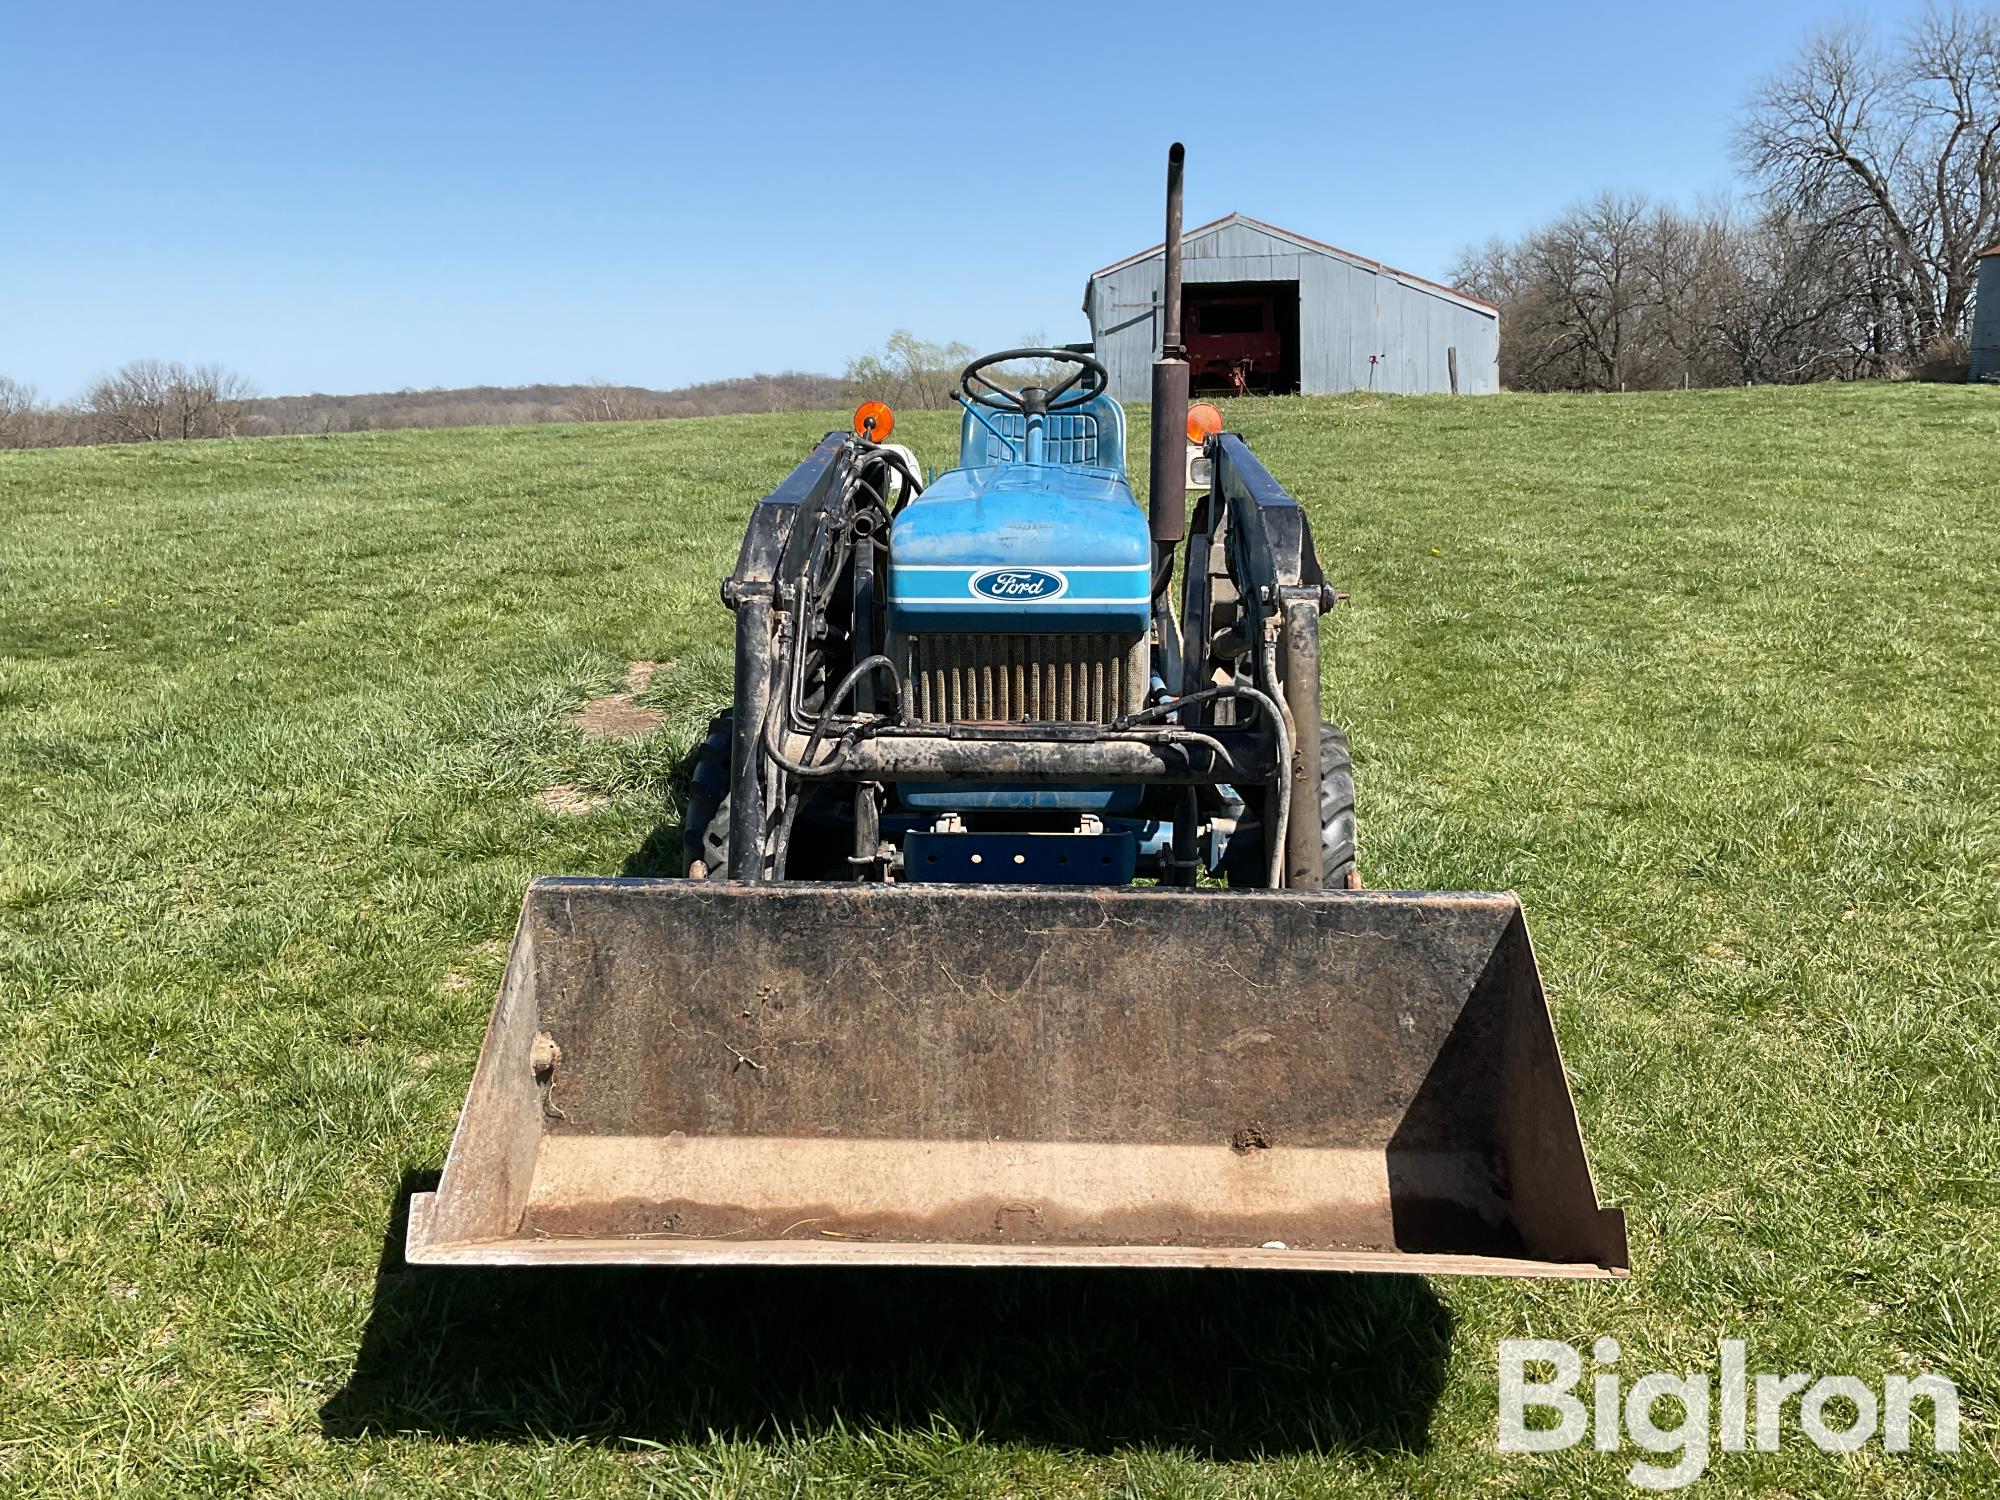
<point x="1034" y="400"/>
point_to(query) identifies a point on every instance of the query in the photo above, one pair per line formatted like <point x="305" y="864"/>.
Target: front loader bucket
<point x="690" y="1072"/>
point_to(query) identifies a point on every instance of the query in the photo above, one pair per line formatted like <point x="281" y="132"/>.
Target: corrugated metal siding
<point x="1986" y="321"/>
<point x="1347" y="312"/>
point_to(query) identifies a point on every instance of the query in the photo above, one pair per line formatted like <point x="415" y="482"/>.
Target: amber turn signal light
<point x="1203" y="420"/>
<point x="874" y="421"/>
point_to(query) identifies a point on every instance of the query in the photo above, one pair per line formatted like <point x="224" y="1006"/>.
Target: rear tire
<point x="1245" y="862"/>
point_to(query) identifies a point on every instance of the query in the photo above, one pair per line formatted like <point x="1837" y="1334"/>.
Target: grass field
<point x="1712" y="679"/>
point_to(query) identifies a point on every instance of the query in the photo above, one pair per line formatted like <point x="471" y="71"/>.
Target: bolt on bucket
<point x="703" y="1073"/>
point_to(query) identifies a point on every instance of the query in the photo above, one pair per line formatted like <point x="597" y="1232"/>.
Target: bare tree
<point x="152" y="400"/>
<point x="208" y="401"/>
<point x="909" y="371"/>
<point x="1582" y="297"/>
<point x="1903" y="146"/>
<point x="1595" y="259"/>
<point x="1686" y="261"/>
<point x="1486" y="271"/>
<point x="18" y="408"/>
<point x="131" y="405"/>
<point x="1878" y="169"/>
<point x="601" y="401"/>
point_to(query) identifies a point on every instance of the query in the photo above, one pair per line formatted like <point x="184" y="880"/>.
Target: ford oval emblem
<point x="1019" y="585"/>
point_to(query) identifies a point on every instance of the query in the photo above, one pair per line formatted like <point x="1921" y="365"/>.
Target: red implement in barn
<point x="1233" y="343"/>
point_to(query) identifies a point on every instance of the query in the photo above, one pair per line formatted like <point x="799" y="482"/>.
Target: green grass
<point x="1709" y="678"/>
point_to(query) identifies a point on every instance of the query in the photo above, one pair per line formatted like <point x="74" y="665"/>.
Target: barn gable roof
<point x="1303" y="242"/>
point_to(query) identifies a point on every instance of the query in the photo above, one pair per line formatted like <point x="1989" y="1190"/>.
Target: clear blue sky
<point x="363" y="197"/>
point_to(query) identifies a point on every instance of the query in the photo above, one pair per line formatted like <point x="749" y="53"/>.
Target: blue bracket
<point x="1109" y="858"/>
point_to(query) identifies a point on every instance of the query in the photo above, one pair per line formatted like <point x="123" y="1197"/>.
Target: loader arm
<point x="1251" y="538"/>
<point x="789" y="528"/>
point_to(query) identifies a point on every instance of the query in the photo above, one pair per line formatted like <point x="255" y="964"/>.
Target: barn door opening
<point x="1242" y="336"/>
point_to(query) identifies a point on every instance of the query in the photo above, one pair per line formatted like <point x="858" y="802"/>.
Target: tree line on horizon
<point x="151" y="400"/>
<point x="1873" y="174"/>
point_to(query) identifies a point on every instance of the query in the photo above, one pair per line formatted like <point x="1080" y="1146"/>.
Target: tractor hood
<point x="1015" y="548"/>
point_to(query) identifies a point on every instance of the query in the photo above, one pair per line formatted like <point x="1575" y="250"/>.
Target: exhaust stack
<point x="1168" y="505"/>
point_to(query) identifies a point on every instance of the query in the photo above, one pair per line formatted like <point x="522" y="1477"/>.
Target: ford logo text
<point x="1014" y="585"/>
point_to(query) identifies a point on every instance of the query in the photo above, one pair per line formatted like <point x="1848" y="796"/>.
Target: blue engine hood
<point x="1016" y="548"/>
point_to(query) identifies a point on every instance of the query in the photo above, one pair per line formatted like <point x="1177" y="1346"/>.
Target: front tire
<point x="1338" y="835"/>
<point x="1244" y="863"/>
<point x="819" y="841"/>
<point x="705" y="827"/>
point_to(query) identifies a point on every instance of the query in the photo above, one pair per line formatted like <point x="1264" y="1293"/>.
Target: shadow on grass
<point x="1230" y="1364"/>
<point x="660" y="857"/>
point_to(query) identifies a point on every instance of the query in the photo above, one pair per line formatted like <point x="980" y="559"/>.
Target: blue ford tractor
<point x="982" y="681"/>
<point x="1022" y="923"/>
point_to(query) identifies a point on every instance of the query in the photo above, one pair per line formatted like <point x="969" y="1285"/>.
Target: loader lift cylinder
<point x="1298" y="658"/>
<point x="746" y="765"/>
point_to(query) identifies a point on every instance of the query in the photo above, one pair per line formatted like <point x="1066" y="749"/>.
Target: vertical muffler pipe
<point x="1168" y="510"/>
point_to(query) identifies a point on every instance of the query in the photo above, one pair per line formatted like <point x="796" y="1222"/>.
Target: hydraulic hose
<point x="804" y="767"/>
<point x="912" y="488"/>
<point x="1280" y="717"/>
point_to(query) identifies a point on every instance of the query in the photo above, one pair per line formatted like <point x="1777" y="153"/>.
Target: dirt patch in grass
<point x="615" y="716"/>
<point x="574" y="801"/>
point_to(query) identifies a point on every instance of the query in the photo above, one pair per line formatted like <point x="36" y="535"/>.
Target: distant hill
<point x="486" y="405"/>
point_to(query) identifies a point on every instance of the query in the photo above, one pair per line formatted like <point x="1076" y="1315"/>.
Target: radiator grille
<point x="1066" y="679"/>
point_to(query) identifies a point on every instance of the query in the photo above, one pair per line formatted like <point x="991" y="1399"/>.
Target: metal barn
<point x="1269" y="310"/>
<point x="1986" y="318"/>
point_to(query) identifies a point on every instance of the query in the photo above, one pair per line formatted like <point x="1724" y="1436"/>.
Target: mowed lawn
<point x="1712" y="679"/>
